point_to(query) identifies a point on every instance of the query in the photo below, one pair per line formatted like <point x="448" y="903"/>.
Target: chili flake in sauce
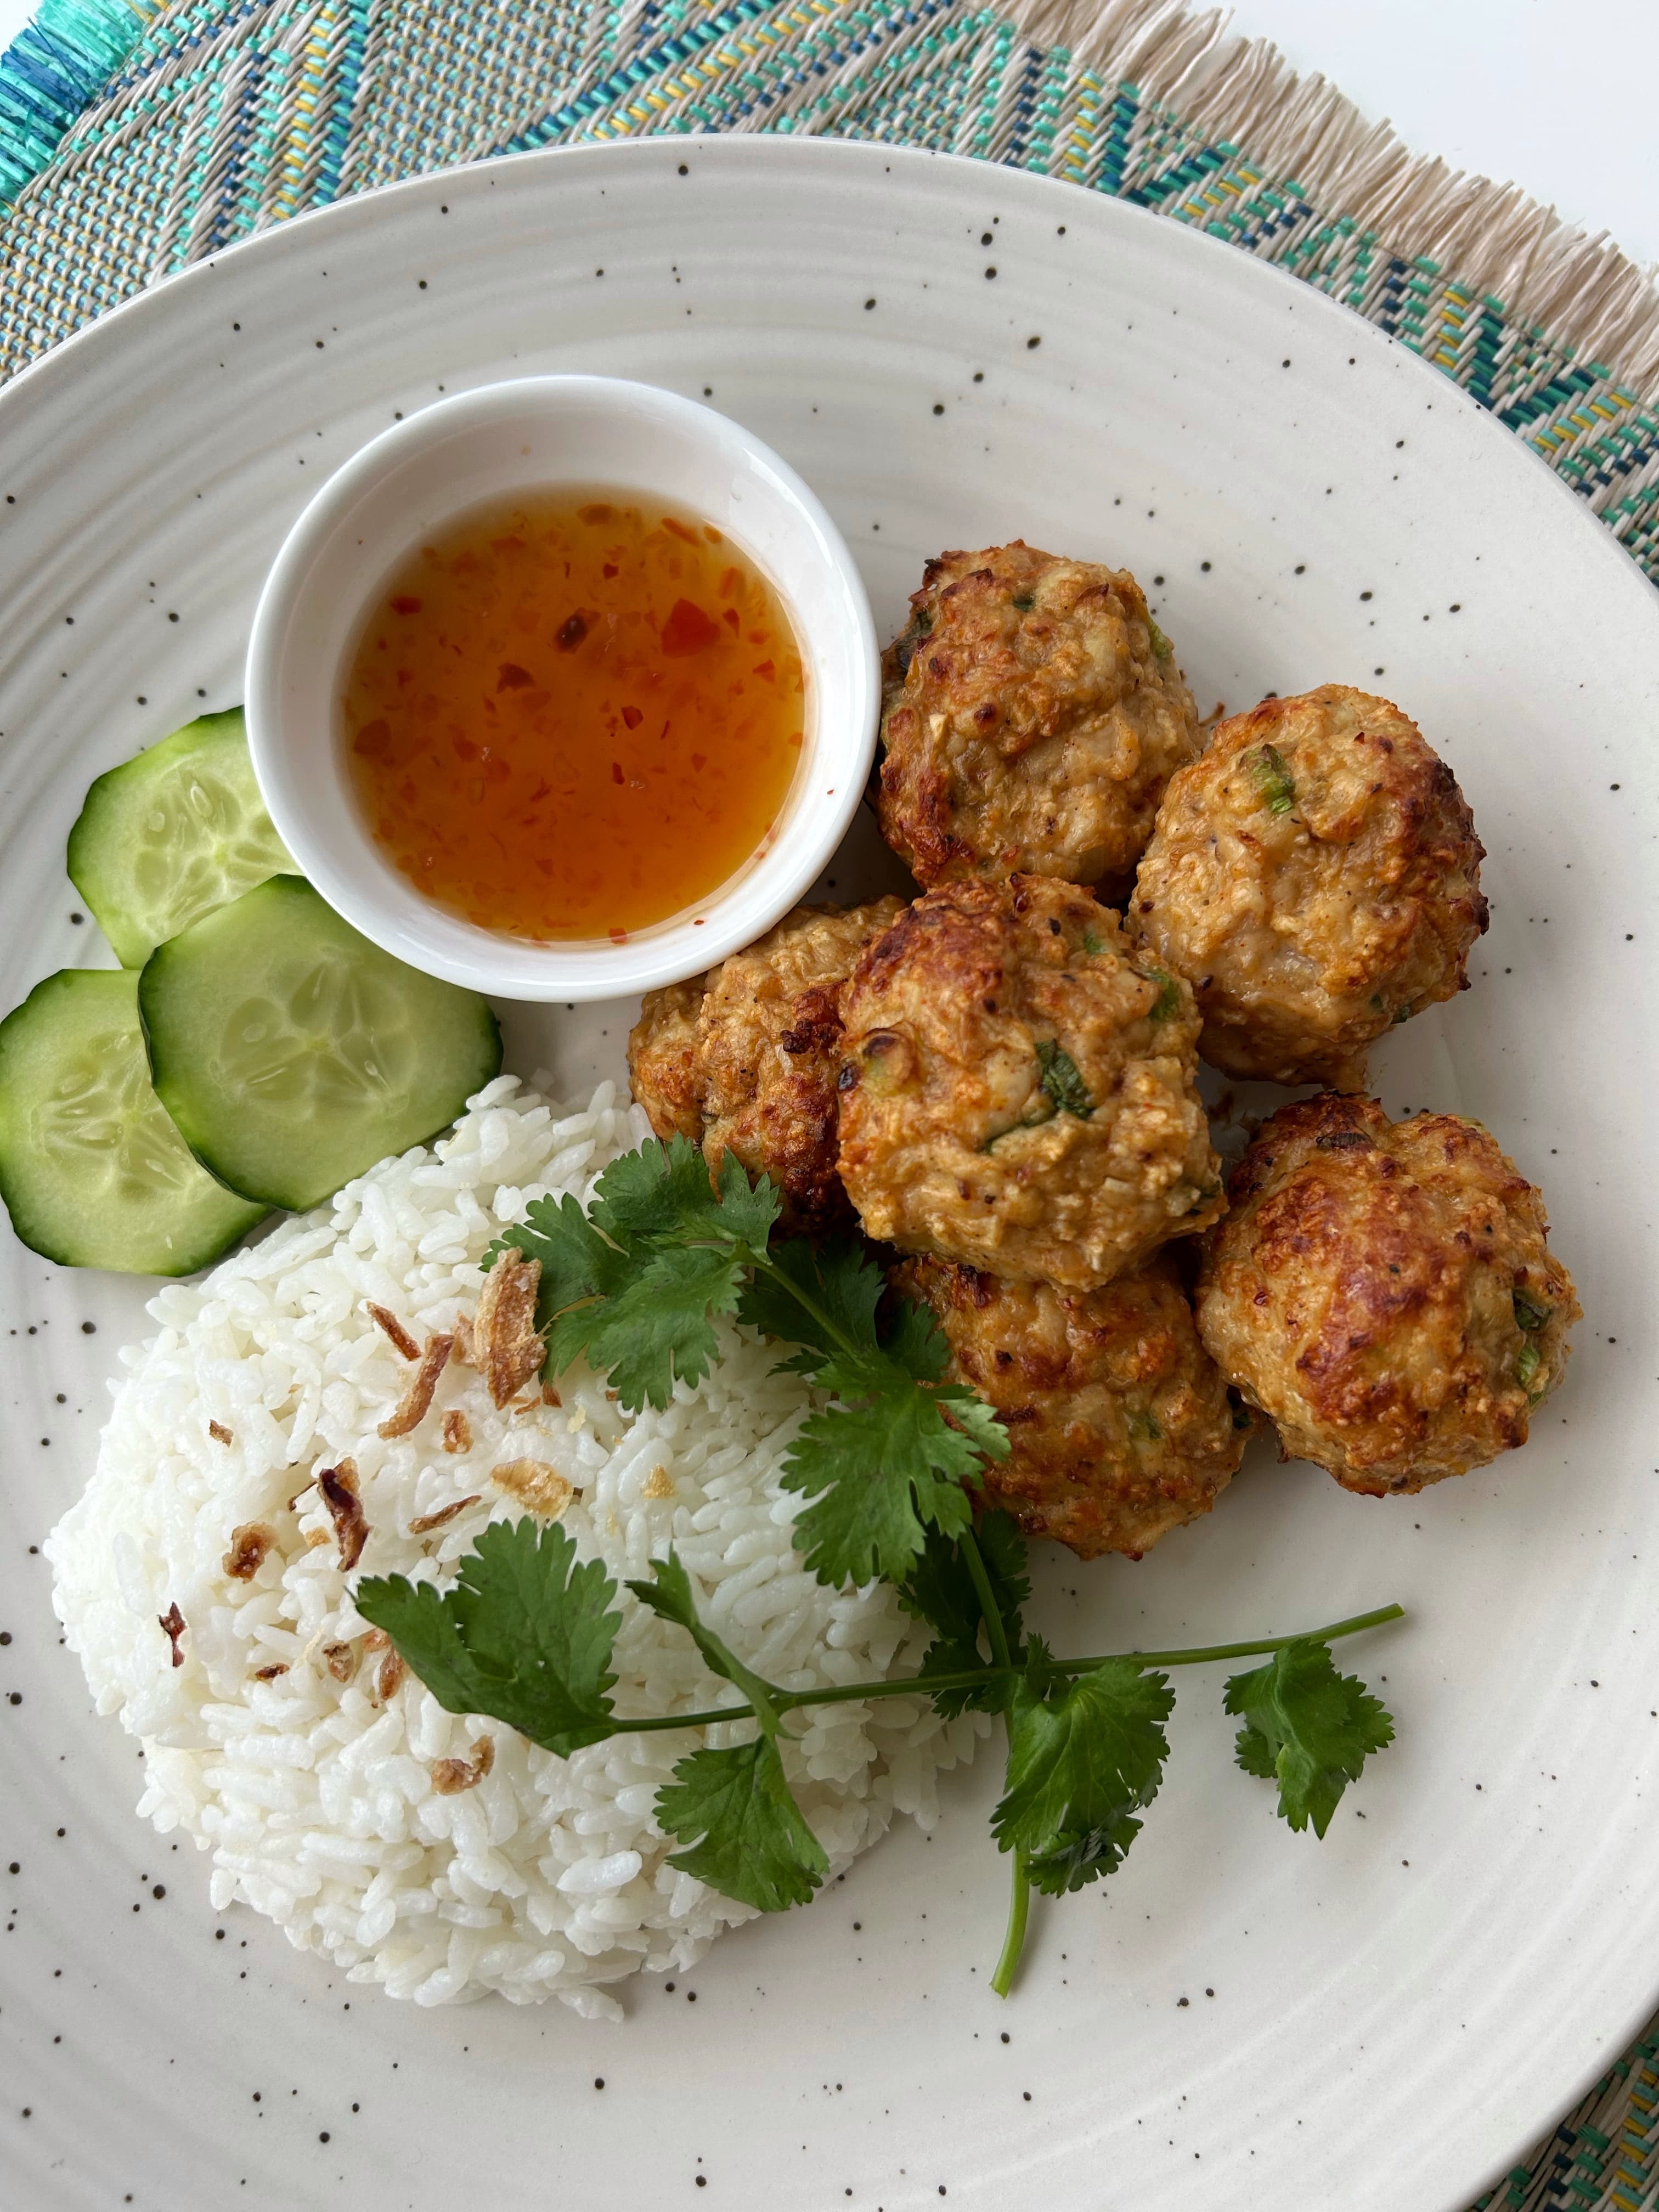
<point x="574" y="717"/>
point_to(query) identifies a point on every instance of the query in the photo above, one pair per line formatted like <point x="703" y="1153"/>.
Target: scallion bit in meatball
<point x="1017" y="1087"/>
<point x="746" y="1059"/>
<point x="1120" y="1425"/>
<point x="1032" y="714"/>
<point x="1384" y="1292"/>
<point x="1317" y="875"/>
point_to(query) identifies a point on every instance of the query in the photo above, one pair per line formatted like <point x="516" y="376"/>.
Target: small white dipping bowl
<point x="538" y="434"/>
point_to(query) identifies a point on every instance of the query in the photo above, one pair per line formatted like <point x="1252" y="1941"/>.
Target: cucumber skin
<point x="229" y="1222"/>
<point x="286" y="905"/>
<point x="107" y="796"/>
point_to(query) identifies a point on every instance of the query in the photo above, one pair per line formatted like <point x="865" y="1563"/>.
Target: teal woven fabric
<point x="229" y="115"/>
<point x="49" y="76"/>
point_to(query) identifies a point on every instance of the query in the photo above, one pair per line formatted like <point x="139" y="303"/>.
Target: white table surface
<point x="1543" y="93"/>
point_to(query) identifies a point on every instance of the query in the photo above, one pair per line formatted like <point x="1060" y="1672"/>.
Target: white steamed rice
<point x="315" y="1798"/>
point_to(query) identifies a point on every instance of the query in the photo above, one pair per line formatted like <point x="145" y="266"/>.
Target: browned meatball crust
<point x="751" y="1068"/>
<point x="662" y="1060"/>
<point x="1317" y="875"/>
<point x="1018" y="1090"/>
<point x="1032" y="714"/>
<point x="1119" y="1423"/>
<point x="1385" y="1293"/>
<point x="769" y="1050"/>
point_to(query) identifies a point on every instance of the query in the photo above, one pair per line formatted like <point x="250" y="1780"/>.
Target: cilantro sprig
<point x="637" y="1282"/>
<point x="887" y="1461"/>
<point x="745" y="1834"/>
<point x="1085" y="1753"/>
<point x="1308" y="1728"/>
<point x="635" y="1285"/>
<point x="523" y="1634"/>
<point x="944" y="1590"/>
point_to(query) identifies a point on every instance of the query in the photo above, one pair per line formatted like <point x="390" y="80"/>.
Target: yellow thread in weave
<point x="301" y="135"/>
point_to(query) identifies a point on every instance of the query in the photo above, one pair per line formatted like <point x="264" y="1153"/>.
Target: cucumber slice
<point x="165" y="838"/>
<point x="293" y="1054"/>
<point x="93" y="1172"/>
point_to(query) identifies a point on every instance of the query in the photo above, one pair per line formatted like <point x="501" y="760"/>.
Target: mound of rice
<point x="284" y="1742"/>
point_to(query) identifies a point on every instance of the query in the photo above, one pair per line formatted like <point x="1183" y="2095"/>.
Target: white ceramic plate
<point x="951" y="354"/>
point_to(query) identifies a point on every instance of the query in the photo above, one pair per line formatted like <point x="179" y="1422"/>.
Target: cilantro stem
<point x="762" y="1266"/>
<point x="1020" y="1898"/>
<point x="1198" y="1655"/>
<point x="1019" y="1908"/>
<point x="987" y="1604"/>
<point x="910" y="1686"/>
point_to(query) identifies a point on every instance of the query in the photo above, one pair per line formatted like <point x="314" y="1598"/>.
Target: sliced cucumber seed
<point x="166" y="837"/>
<point x="92" y="1170"/>
<point x="293" y="1054"/>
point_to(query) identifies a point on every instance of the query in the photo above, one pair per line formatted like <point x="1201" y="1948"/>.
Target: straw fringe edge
<point x="1580" y="287"/>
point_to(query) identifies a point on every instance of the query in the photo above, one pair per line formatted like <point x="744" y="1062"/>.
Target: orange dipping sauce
<point x="574" y="716"/>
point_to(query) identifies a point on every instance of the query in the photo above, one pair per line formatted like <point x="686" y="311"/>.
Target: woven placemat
<point x="223" y="116"/>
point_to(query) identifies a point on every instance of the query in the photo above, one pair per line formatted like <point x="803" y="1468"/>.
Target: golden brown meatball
<point x="1384" y="1292"/>
<point x="1119" y="1423"/>
<point x="1317" y="875"/>
<point x="769" y="1053"/>
<point x="745" y="1059"/>
<point x="1032" y="714"/>
<point x="1018" y="1093"/>
<point x="662" y="1060"/>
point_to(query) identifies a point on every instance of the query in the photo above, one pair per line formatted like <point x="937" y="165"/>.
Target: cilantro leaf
<point x="747" y="1835"/>
<point x="523" y="1634"/>
<point x="1002" y="1551"/>
<point x="656" y="1330"/>
<point x="970" y="1419"/>
<point x="661" y="1195"/>
<point x="1061" y="1081"/>
<point x="915" y="1342"/>
<point x="734" y="1807"/>
<point x="841" y="1281"/>
<point x="1084" y="1756"/>
<point x="576" y="1262"/>
<point x="1161" y="645"/>
<point x="669" y="1596"/>
<point x="1307" y="1728"/>
<point x="883" y="1467"/>
<point x="884" y="1463"/>
<point x="940" y="1591"/>
<point x="633" y="1283"/>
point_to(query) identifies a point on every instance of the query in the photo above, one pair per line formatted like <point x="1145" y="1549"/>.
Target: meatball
<point x="752" y="1069"/>
<point x="662" y="1060"/>
<point x="1121" y="1426"/>
<point x="1032" y="714"/>
<point x="1317" y="875"/>
<point x="1384" y="1290"/>
<point x="1017" y="1090"/>
<point x="770" y="1050"/>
